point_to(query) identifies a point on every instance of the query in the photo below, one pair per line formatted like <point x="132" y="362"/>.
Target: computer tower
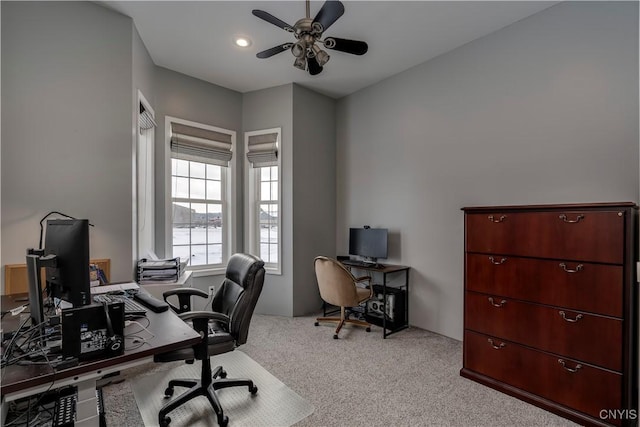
<point x="394" y="310"/>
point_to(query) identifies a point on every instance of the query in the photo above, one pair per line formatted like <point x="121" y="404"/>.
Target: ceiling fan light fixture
<point x="300" y="63"/>
<point x="299" y="49"/>
<point x="321" y="56"/>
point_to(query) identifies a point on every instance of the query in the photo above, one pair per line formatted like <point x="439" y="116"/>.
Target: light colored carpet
<point x="410" y="379"/>
<point x="275" y="404"/>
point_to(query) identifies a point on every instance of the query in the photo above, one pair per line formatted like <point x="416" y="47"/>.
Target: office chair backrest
<point x="336" y="284"/>
<point x="239" y="293"/>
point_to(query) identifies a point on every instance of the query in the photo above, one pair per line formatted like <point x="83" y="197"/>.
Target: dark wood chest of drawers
<point x="550" y="307"/>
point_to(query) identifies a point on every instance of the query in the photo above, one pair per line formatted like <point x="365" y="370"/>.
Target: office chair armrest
<point x="209" y="315"/>
<point x="363" y="279"/>
<point x="184" y="298"/>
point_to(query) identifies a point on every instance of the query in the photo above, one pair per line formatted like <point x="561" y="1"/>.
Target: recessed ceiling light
<point x="242" y="41"/>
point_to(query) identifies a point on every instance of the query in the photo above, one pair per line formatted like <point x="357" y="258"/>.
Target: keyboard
<point x="131" y="308"/>
<point x="355" y="263"/>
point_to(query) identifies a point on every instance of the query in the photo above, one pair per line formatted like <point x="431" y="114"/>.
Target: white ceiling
<point x="195" y="38"/>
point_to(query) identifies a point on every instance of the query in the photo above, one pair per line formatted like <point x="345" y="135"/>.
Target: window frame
<point x="143" y="178"/>
<point x="254" y="181"/>
<point x="228" y="196"/>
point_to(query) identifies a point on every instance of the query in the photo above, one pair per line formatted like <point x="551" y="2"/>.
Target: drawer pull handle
<point x="579" y="267"/>
<point x="564" y="316"/>
<point x="493" y="219"/>
<point x="499" y="305"/>
<point x="497" y="347"/>
<point x="572" y="370"/>
<point x="494" y="262"/>
<point x="571" y="221"/>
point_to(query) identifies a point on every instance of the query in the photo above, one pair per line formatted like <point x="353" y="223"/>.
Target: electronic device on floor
<point x="93" y="331"/>
<point x="393" y="308"/>
<point x="64" y="411"/>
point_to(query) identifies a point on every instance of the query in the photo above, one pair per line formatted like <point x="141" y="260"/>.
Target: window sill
<point x="218" y="271"/>
<point x="273" y="271"/>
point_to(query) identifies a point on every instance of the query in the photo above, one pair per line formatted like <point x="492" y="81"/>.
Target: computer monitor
<point x="35" y="289"/>
<point x="69" y="280"/>
<point x="370" y="243"/>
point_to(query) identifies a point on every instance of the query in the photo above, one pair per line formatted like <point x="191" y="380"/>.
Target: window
<point x="200" y="188"/>
<point x="265" y="196"/>
<point x="144" y="176"/>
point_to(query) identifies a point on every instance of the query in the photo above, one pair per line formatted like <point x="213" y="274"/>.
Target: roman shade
<point x="145" y="119"/>
<point x="262" y="149"/>
<point x="200" y="145"/>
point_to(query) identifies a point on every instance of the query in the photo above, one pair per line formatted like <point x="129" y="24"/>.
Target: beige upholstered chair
<point x="338" y="287"/>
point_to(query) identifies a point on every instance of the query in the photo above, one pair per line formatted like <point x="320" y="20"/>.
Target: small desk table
<point x="386" y="270"/>
<point x="170" y="333"/>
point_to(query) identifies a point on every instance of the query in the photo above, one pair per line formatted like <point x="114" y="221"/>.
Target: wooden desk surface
<point x="387" y="268"/>
<point x="170" y="333"/>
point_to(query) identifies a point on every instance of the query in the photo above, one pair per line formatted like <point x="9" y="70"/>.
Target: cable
<point x="47" y="216"/>
<point x="128" y="322"/>
<point x="13" y="339"/>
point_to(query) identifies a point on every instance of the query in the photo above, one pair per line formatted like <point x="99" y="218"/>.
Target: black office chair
<point x="222" y="330"/>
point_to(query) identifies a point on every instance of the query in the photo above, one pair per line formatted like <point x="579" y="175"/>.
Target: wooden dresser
<point x="550" y="312"/>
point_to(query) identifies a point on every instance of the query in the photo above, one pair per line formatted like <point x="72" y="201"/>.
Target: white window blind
<point x="262" y="150"/>
<point x="202" y="145"/>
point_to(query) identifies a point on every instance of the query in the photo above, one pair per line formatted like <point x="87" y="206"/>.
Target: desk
<point x="386" y="270"/>
<point x="158" y="288"/>
<point x="170" y="333"/>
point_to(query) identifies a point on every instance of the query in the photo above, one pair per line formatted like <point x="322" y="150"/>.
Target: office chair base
<point x="197" y="388"/>
<point x="341" y="323"/>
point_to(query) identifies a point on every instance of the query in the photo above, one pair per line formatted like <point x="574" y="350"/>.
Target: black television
<point x="69" y="280"/>
<point x="369" y="243"/>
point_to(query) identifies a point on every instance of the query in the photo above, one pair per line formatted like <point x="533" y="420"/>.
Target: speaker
<point x="393" y="309"/>
<point x="93" y="331"/>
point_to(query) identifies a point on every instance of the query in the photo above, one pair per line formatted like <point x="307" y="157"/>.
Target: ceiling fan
<point x="308" y="33"/>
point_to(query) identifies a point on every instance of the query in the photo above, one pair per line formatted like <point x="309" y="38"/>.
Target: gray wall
<point x="143" y="71"/>
<point x="314" y="192"/>
<point x="66" y="125"/>
<point x="188" y="98"/>
<point x="542" y="111"/>
<point x="267" y="109"/>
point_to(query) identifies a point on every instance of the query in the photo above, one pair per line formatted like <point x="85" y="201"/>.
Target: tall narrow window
<point x="200" y="189"/>
<point x="265" y="196"/>
<point x="144" y="175"/>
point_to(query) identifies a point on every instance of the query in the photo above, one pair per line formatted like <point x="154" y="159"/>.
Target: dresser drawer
<point x="568" y="382"/>
<point x="582" y="336"/>
<point x="596" y="288"/>
<point x="575" y="235"/>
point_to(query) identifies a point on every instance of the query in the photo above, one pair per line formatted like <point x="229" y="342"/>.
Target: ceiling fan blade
<point x="274" y="50"/>
<point x="272" y="19"/>
<point x="314" y="67"/>
<point x="353" y="47"/>
<point x="329" y="13"/>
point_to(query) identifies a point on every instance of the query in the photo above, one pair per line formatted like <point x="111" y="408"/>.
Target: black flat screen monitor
<point x="68" y="240"/>
<point x="370" y="243"/>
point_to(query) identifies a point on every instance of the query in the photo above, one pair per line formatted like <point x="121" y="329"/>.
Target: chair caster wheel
<point x="165" y="421"/>
<point x="335" y="336"/>
<point x="168" y="392"/>
<point x="368" y="329"/>
<point x="253" y="390"/>
<point x="316" y="324"/>
<point x="223" y="374"/>
<point x="222" y="422"/>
